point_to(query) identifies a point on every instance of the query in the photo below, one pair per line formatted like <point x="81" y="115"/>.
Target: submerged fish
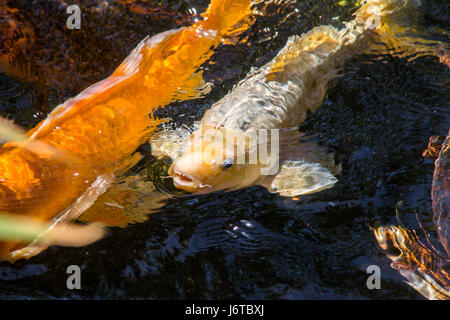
<point x="427" y="270"/>
<point x="277" y="96"/>
<point x="99" y="129"/>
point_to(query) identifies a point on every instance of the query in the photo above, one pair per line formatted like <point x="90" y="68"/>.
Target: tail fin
<point x="224" y="15"/>
<point x="394" y="23"/>
<point x="377" y="13"/>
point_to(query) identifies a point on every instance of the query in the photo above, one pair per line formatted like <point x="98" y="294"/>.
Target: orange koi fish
<point x="97" y="131"/>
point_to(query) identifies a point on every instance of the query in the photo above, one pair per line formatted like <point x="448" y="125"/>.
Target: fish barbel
<point x="100" y="128"/>
<point x="278" y="96"/>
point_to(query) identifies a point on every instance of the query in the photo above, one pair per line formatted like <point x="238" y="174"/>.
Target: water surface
<point x="250" y="244"/>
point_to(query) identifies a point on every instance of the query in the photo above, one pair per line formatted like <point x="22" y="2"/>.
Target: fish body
<point x="103" y="125"/>
<point x="279" y="96"/>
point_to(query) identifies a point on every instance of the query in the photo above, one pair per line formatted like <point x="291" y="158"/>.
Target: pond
<point x="377" y="119"/>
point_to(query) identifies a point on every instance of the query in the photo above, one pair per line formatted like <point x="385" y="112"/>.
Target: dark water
<point x="251" y="244"/>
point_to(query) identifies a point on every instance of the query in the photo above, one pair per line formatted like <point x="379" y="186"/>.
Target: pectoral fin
<point x="300" y="178"/>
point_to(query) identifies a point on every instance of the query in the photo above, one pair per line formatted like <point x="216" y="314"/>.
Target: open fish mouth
<point x="183" y="178"/>
<point x="186" y="181"/>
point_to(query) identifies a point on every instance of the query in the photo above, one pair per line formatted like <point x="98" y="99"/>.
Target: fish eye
<point x="227" y="163"/>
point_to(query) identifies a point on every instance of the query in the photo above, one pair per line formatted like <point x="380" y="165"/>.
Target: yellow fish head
<point x="214" y="159"/>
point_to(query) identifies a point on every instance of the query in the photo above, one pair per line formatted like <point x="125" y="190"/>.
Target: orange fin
<point x="84" y="201"/>
<point x="224" y="15"/>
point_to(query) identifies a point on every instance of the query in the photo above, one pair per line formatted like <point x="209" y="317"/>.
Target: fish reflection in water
<point x="426" y="268"/>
